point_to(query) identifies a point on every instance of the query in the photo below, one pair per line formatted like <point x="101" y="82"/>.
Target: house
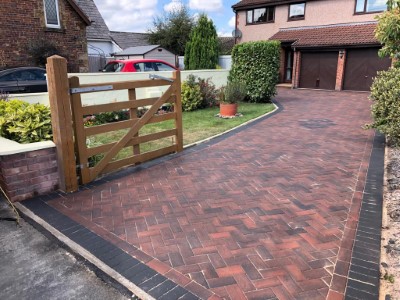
<point x="98" y="35"/>
<point x="100" y="45"/>
<point x="149" y="52"/>
<point x="326" y="44"/>
<point x="30" y="29"/>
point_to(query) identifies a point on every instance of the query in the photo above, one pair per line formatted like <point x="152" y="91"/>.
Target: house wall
<point x="224" y="61"/>
<point x="106" y="48"/>
<point x="23" y="23"/>
<point x="323" y="12"/>
<point x="162" y="54"/>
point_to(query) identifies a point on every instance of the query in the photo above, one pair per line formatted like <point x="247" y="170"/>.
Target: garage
<point x="318" y="70"/>
<point x="361" y="67"/>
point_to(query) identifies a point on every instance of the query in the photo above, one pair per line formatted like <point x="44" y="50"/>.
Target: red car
<point x="138" y="65"/>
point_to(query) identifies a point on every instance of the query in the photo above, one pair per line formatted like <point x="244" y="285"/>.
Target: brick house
<point x="32" y="24"/>
<point x="326" y="44"/>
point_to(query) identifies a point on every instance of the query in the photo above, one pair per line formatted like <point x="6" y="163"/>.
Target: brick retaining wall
<point x="28" y="174"/>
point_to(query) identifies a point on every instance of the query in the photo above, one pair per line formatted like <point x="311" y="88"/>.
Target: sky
<point x="138" y="15"/>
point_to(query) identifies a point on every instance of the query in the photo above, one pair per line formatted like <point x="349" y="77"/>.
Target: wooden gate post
<point x="61" y="120"/>
<point x="178" y="110"/>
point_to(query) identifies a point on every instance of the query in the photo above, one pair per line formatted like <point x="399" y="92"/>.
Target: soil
<point x="390" y="253"/>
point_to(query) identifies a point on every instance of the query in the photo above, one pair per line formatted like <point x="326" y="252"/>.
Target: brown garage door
<point x="361" y="67"/>
<point x="318" y="70"/>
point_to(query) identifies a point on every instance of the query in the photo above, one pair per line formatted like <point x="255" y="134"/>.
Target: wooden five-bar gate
<point x="70" y="133"/>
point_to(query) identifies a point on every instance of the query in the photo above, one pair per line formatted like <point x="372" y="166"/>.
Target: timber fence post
<point x="61" y="120"/>
<point x="178" y="110"/>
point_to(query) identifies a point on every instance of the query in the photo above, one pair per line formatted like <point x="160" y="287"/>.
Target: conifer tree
<point x="202" y="49"/>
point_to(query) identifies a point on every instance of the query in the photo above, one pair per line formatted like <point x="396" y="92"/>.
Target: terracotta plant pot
<point x="228" y="109"/>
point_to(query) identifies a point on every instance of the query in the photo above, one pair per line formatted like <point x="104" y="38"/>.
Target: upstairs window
<point x="297" y="11"/>
<point x="51" y="13"/>
<point x="260" y="15"/>
<point x="370" y="6"/>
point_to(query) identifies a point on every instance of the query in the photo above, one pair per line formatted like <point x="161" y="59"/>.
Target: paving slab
<point x="268" y="211"/>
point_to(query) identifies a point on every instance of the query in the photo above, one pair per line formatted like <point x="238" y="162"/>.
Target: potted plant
<point x="230" y="95"/>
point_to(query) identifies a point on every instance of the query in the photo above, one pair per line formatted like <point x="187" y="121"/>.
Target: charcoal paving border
<point x="364" y="274"/>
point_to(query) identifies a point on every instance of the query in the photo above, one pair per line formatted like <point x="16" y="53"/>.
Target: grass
<point x="197" y="125"/>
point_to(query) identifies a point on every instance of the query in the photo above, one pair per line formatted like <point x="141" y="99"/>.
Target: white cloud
<point x="206" y="5"/>
<point x="224" y="33"/>
<point x="174" y="5"/>
<point x="232" y="22"/>
<point x="124" y="15"/>
<point x="196" y="17"/>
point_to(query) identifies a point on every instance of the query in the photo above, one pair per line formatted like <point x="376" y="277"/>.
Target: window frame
<point x="267" y="8"/>
<point x="365" y="9"/>
<point x="297" y="18"/>
<point x="57" y="26"/>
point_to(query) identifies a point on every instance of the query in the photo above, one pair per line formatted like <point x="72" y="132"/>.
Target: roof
<point x="141" y="50"/>
<point x="130" y="39"/>
<point x="98" y="29"/>
<point x="253" y="3"/>
<point x="351" y="34"/>
<point x="226" y="43"/>
<point x="80" y="12"/>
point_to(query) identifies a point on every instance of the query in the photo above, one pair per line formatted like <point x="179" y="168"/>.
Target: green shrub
<point x="106" y="117"/>
<point x="233" y="92"/>
<point x="25" y="123"/>
<point x="385" y="94"/>
<point x="257" y="65"/>
<point x="191" y="95"/>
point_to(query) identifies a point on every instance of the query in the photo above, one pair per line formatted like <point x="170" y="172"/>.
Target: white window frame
<point x="58" y="16"/>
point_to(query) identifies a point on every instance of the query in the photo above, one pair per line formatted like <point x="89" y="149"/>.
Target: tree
<point x="202" y="49"/>
<point x="388" y="30"/>
<point x="172" y="30"/>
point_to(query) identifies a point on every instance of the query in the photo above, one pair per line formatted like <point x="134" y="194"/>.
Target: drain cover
<point x="316" y="123"/>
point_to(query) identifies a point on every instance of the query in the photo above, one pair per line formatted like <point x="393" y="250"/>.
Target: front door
<point x="288" y="72"/>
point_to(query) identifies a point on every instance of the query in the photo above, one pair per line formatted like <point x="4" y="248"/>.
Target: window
<point x="297" y="11"/>
<point x="51" y="13"/>
<point x="9" y="77"/>
<point x="113" y="67"/>
<point x="163" y="67"/>
<point x="144" y="67"/>
<point x="367" y="6"/>
<point x="260" y="15"/>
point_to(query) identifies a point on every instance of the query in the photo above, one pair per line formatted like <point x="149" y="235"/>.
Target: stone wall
<point x="23" y="24"/>
<point x="28" y="174"/>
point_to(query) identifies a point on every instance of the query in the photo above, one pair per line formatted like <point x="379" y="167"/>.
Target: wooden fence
<point x="68" y="112"/>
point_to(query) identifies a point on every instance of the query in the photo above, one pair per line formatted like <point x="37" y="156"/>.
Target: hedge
<point x="257" y="65"/>
<point x="385" y="94"/>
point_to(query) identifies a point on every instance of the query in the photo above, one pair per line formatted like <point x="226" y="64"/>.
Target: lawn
<point x="197" y="125"/>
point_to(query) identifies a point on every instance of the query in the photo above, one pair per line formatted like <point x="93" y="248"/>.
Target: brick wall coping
<point x="8" y="147"/>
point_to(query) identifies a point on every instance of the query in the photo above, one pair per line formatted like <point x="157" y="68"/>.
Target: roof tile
<point x="130" y="39"/>
<point x="98" y="29"/>
<point x="327" y="36"/>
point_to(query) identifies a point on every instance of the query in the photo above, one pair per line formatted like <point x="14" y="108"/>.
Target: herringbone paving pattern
<point x="269" y="212"/>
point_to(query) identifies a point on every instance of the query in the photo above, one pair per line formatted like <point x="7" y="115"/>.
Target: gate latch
<point x="154" y="76"/>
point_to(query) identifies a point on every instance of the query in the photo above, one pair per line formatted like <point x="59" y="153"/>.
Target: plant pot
<point x="228" y="109"/>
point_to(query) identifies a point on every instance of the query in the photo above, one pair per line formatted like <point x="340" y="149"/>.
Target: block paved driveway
<point x="267" y="212"/>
